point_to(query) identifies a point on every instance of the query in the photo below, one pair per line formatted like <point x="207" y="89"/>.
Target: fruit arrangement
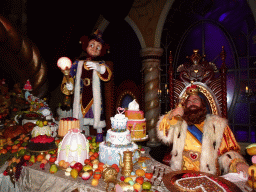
<point x="91" y="171"/>
<point x="93" y="145"/>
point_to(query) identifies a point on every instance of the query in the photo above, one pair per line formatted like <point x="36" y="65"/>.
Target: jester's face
<point x="94" y="48"/>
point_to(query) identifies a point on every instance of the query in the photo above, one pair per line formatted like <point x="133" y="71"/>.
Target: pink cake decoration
<point x="28" y="86"/>
<point x="73" y="147"/>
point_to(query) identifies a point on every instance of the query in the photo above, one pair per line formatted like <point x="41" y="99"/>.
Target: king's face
<point x="194" y="100"/>
<point x="94" y="48"/>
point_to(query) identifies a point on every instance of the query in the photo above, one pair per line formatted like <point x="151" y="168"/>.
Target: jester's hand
<point x="69" y="86"/>
<point x="95" y="66"/>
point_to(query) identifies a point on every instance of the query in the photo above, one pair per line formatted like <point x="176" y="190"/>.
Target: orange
<point x="3" y="151"/>
<point x="15" y="147"/>
<point x="40" y="157"/>
<point x="148" y="175"/>
<point x="90" y="153"/>
<point x="86" y="161"/>
<point x="97" y="176"/>
<point x="61" y="163"/>
<point x="95" y="182"/>
<point x="140" y="172"/>
<point x="92" y="157"/>
<point x="95" y="154"/>
<point x="140" y="180"/>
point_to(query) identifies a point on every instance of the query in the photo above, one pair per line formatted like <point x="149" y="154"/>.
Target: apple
<point x="66" y="165"/>
<point x="146" y="185"/>
<point x="8" y="147"/>
<point x="72" y="164"/>
<point x="86" y="176"/>
<point x="78" y="166"/>
<point x="89" y="138"/>
<point x="86" y="161"/>
<point x="52" y="158"/>
<point x="26" y="157"/>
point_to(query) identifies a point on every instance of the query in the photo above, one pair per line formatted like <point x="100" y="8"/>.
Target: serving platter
<point x="170" y="178"/>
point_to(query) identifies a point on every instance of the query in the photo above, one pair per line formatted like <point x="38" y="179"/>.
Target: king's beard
<point x="194" y="114"/>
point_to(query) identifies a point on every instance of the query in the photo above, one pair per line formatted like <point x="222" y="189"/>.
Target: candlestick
<point x="246" y="89"/>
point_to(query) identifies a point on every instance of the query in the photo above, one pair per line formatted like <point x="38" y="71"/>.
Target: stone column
<point x="151" y="58"/>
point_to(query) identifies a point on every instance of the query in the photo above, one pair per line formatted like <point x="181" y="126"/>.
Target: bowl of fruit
<point x="27" y="117"/>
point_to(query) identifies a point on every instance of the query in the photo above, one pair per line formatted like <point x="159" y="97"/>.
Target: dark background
<point x="56" y="27"/>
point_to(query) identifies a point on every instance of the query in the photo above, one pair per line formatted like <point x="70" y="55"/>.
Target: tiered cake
<point x="118" y="140"/>
<point x="65" y="124"/>
<point x="136" y="123"/>
<point x="42" y="128"/>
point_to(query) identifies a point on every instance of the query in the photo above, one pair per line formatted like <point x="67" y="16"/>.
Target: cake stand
<point x="43" y="151"/>
<point x="141" y="140"/>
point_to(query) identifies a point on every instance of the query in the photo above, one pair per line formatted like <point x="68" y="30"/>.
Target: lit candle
<point x="167" y="91"/>
<point x="246" y="89"/>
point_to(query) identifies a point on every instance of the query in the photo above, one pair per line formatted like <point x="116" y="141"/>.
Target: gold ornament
<point x="110" y="176"/>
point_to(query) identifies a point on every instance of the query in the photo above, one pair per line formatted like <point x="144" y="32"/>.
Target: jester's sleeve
<point x="229" y="152"/>
<point x="108" y="73"/>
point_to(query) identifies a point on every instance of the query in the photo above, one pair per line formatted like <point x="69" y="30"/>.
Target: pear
<point x="53" y="169"/>
<point x="32" y="159"/>
<point x="74" y="173"/>
<point x="41" y="124"/>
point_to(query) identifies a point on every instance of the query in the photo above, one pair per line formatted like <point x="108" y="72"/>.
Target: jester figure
<point x="84" y="81"/>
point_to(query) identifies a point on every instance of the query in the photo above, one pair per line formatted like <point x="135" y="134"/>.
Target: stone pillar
<point x="151" y="58"/>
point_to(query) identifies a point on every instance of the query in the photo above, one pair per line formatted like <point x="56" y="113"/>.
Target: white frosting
<point x="120" y="117"/>
<point x="119" y="121"/>
<point x="45" y="130"/>
<point x="118" y="138"/>
<point x="133" y="106"/>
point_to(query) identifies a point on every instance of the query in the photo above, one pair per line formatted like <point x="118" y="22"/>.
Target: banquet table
<point x="33" y="178"/>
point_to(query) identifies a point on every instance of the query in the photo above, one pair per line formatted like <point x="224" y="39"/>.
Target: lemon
<point x="127" y="179"/>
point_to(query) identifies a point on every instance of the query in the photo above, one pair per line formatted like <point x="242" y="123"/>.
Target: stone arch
<point x="161" y="22"/>
<point x="103" y="25"/>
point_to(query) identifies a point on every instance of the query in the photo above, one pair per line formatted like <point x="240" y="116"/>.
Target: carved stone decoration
<point x="151" y="69"/>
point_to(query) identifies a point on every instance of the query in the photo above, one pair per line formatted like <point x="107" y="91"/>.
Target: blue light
<point x="222" y="17"/>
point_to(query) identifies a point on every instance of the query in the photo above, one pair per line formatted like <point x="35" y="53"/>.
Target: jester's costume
<point x="208" y="147"/>
<point x="87" y="106"/>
